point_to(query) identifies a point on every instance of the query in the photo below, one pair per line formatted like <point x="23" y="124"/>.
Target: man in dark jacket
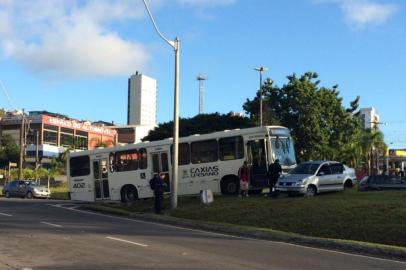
<point x="274" y="171"/>
<point x="158" y="186"/>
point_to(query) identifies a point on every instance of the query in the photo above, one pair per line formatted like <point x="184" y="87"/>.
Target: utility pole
<point x="22" y="147"/>
<point x="36" y="155"/>
<point x="260" y="70"/>
<point x="201" y="78"/>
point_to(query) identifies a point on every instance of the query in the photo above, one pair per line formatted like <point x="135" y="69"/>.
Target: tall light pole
<point x="175" y="45"/>
<point x="260" y="70"/>
<point x="22" y="147"/>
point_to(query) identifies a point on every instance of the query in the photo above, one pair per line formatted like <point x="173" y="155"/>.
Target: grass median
<point x="377" y="217"/>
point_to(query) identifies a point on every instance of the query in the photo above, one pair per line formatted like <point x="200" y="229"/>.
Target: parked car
<point x="381" y="182"/>
<point x="28" y="189"/>
<point x="350" y="173"/>
<point x="312" y="177"/>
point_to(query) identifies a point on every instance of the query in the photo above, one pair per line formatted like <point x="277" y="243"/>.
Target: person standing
<point x="157" y="184"/>
<point x="244" y="176"/>
<point x="274" y="171"/>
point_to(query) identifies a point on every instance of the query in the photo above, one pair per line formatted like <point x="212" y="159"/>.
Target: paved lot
<point x="41" y="234"/>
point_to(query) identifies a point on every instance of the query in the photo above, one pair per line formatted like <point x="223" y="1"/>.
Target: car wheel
<point x="310" y="191"/>
<point x="8" y="195"/>
<point x="29" y="195"/>
<point x="347" y="184"/>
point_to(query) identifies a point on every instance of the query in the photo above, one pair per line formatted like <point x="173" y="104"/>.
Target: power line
<point x="7" y="95"/>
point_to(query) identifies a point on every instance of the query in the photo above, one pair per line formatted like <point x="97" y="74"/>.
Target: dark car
<point x="28" y="189"/>
<point x="381" y="182"/>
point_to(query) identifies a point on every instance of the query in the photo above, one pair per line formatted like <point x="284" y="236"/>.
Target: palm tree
<point x="372" y="143"/>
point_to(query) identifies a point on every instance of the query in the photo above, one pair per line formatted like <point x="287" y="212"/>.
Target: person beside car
<point x="274" y="171"/>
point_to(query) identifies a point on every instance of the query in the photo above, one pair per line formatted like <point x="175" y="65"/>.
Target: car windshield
<point x="282" y="149"/>
<point x="32" y="183"/>
<point x="305" y="168"/>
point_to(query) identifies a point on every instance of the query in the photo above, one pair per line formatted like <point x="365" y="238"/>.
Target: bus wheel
<point x="230" y="185"/>
<point x="129" y="194"/>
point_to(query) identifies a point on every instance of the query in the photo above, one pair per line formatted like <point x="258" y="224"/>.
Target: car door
<point x="21" y="189"/>
<point x="325" y="178"/>
<point x="13" y="188"/>
<point x="337" y="175"/>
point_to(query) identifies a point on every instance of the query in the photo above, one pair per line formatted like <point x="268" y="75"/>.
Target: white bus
<point x="209" y="161"/>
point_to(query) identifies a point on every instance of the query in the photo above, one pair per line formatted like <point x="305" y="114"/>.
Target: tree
<point x="372" y="143"/>
<point x="321" y="127"/>
<point x="9" y="150"/>
<point x="200" y="124"/>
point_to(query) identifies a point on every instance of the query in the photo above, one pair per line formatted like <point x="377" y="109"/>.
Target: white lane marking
<point x="126" y="241"/>
<point x="51" y="224"/>
<point x="232" y="236"/>
<point x="7" y="215"/>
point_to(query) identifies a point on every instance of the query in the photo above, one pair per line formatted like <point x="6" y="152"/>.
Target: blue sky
<point x="75" y="57"/>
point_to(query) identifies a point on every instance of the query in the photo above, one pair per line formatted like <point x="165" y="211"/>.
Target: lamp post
<point x="22" y="147"/>
<point x="175" y="45"/>
<point x="260" y="70"/>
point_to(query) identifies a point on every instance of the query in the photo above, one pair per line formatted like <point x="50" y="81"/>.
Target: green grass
<point x="60" y="192"/>
<point x="378" y="217"/>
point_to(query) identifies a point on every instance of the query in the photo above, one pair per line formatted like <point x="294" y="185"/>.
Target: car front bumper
<point x="41" y="194"/>
<point x="299" y="189"/>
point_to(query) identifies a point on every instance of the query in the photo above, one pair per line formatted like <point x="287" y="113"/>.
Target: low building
<point x="54" y="133"/>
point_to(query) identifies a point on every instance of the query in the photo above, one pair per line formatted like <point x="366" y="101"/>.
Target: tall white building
<point x="369" y="118"/>
<point x="141" y="100"/>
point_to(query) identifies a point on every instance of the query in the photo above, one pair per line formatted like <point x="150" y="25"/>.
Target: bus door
<point x="101" y="179"/>
<point x="257" y="157"/>
<point x="160" y="163"/>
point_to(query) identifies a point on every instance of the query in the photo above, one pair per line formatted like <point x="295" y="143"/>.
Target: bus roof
<point x="273" y="130"/>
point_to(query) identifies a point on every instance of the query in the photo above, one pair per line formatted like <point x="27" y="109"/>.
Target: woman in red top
<point x="244" y="175"/>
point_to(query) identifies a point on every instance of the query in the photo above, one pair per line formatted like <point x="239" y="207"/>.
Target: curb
<point x="349" y="246"/>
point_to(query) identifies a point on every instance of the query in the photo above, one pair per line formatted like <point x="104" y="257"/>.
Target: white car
<point x="312" y="177"/>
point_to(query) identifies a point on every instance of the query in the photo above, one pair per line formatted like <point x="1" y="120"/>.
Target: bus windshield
<point x="282" y="149"/>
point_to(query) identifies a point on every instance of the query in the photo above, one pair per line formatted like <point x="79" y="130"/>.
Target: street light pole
<point x="36" y="155"/>
<point x="22" y="147"/>
<point x="260" y="70"/>
<point x="175" y="45"/>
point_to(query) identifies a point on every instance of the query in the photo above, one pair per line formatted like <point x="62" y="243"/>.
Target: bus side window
<point x="184" y="154"/>
<point x="143" y="161"/>
<point x="204" y="151"/>
<point x="231" y="148"/>
<point x="126" y="160"/>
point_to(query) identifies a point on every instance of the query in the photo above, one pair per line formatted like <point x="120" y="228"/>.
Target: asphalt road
<point x="42" y="234"/>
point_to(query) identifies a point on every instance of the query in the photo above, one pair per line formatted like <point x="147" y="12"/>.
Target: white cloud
<point x="77" y="37"/>
<point x="68" y="38"/>
<point x="361" y="13"/>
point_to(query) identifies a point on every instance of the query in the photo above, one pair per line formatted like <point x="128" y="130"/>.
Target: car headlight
<point x="301" y="182"/>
